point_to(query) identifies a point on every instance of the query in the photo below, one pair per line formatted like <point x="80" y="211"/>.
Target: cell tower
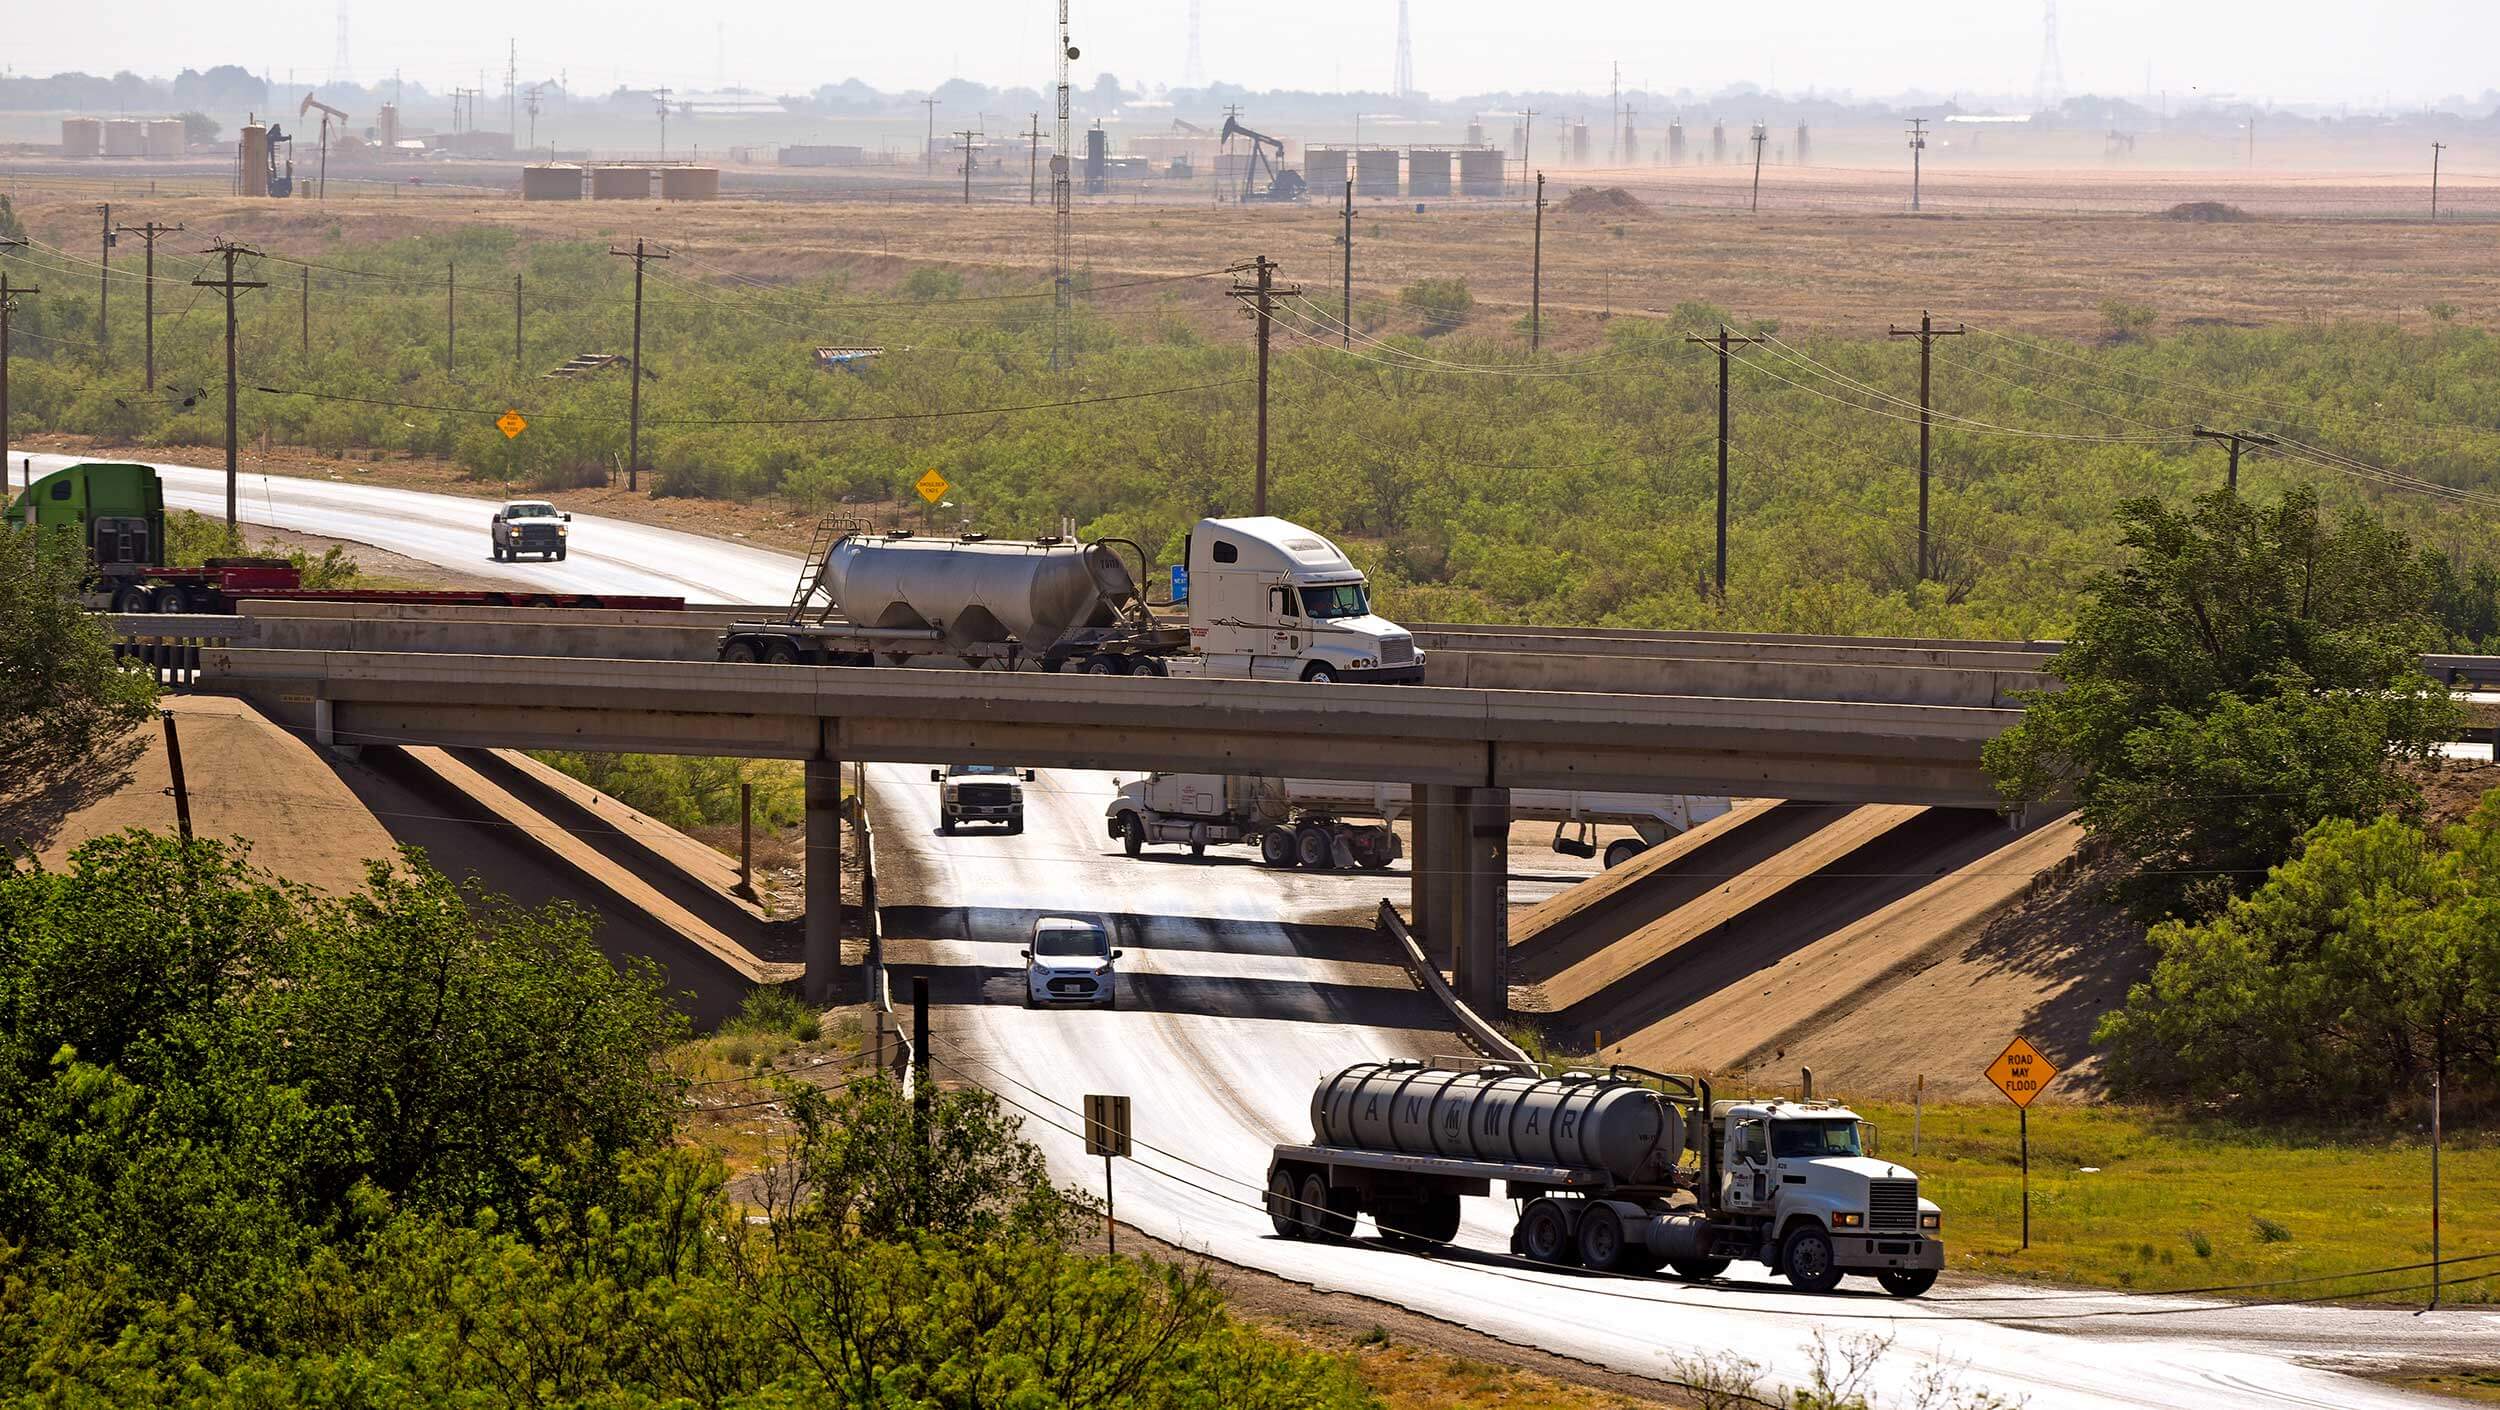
<point x="1194" y="70"/>
<point x="1062" y="216"/>
<point x="339" y="71"/>
<point x="1402" y="83"/>
<point x="2049" y="89"/>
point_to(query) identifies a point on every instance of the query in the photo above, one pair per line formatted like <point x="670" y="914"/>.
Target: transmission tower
<point x="1194" y="71"/>
<point x="339" y="70"/>
<point x="2049" y="89"/>
<point x="1402" y="83"/>
<point x="1062" y="214"/>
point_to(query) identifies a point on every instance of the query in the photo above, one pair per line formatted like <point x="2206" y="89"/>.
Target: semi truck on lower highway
<point x="1623" y="1171"/>
<point x="1259" y="598"/>
<point x="117" y="513"/>
<point x="1324" y="823"/>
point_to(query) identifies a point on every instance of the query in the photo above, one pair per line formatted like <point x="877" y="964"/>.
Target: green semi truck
<point x="117" y="510"/>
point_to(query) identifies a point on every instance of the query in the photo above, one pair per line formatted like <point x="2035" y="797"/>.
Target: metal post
<point x="2435" y="1268"/>
<point x="304" y="312"/>
<point x="2025" y="1119"/>
<point x="182" y="792"/>
<point x="821" y="940"/>
<point x="1348" y="319"/>
<point x="451" y="315"/>
<point x="516" y="318"/>
<point x="920" y="1095"/>
<point x="1110" y="1210"/>
<point x="746" y="839"/>
<point x="104" y="285"/>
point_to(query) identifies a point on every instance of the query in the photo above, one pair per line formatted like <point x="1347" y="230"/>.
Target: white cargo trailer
<point x="1322" y="823"/>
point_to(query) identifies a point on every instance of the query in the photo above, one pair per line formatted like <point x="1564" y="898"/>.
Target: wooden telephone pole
<point x="231" y="286"/>
<point x="1536" y="272"/>
<point x="1261" y="297"/>
<point x="639" y="254"/>
<point x="149" y="232"/>
<point x="2235" y="439"/>
<point x="8" y="305"/>
<point x="1722" y="342"/>
<point x="1927" y="333"/>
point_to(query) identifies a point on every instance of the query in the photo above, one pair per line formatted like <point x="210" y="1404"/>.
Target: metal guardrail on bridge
<point x="169" y="647"/>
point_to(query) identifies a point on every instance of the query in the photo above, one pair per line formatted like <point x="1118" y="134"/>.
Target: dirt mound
<point x="2452" y="789"/>
<point x="2204" y="212"/>
<point x="1602" y="200"/>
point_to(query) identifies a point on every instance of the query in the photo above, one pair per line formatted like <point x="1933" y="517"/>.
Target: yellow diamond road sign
<point x="2020" y="1072"/>
<point x="511" y="423"/>
<point x="932" y="486"/>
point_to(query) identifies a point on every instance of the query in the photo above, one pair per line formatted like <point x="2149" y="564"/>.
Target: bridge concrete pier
<point x="1432" y="865"/>
<point x="821" y="947"/>
<point x="1480" y="887"/>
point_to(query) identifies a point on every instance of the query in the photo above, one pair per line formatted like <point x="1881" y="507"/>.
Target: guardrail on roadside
<point x="169" y="646"/>
<point x="1491" y="1041"/>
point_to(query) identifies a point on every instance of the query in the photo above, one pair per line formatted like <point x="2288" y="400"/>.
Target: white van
<point x="1070" y="961"/>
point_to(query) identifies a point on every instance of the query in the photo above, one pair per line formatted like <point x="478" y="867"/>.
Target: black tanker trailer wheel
<point x="1282" y="1212"/>
<point x="1601" y="1239"/>
<point x="1276" y="847"/>
<point x="739" y="651"/>
<point x="1314" y="848"/>
<point x="1545" y="1233"/>
<point x="1323" y="1215"/>
<point x="1907" y="1282"/>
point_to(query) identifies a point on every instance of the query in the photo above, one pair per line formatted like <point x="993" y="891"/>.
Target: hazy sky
<point x="2284" y="50"/>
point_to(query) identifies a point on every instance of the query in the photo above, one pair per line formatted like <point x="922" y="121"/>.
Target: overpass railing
<point x="169" y="647"/>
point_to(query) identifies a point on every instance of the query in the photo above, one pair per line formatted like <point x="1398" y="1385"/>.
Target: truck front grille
<point x="1397" y="651"/>
<point x="1892" y="1204"/>
<point x="984" y="795"/>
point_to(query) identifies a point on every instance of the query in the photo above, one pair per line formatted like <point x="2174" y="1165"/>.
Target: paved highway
<point x="1240" y="997"/>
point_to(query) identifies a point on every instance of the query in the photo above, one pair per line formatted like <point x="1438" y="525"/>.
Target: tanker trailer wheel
<point x="1106" y="666"/>
<point x="169" y="598"/>
<point x="1132" y="834"/>
<point x="1601" y="1239"/>
<point x="1906" y="1282"/>
<point x="1545" y="1233"/>
<point x="740" y="651"/>
<point x="1314" y="848"/>
<point x="1698" y="1270"/>
<point x="1282" y="1212"/>
<point x="1806" y="1259"/>
<point x="1276" y="847"/>
<point x="1623" y="849"/>
<point x="782" y="653"/>
<point x="1328" y="1216"/>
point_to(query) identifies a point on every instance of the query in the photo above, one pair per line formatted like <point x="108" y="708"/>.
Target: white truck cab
<point x="528" y="526"/>
<point x="1272" y="600"/>
<point x="1805" y="1177"/>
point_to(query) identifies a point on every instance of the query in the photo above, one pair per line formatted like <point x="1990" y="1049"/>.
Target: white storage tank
<point x="81" y="137"/>
<point x="125" y="137"/>
<point x="166" y="137"/>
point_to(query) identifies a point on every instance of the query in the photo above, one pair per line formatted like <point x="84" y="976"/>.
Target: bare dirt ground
<point x="2032" y="252"/>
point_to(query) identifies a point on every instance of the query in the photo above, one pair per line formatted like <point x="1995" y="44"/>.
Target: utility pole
<point x="181" y="789"/>
<point x="1722" y="343"/>
<point x="639" y="254"/>
<point x="104" y="286"/>
<point x="304" y="310"/>
<point x="8" y="305"/>
<point x="1347" y="331"/>
<point x="231" y="287"/>
<point x="1927" y="333"/>
<point x="516" y="318"/>
<point x="1536" y="272"/>
<point x="1033" y="164"/>
<point x="2252" y="139"/>
<point x="451" y="314"/>
<point x="1261" y="296"/>
<point x="661" y="96"/>
<point x="1761" y="134"/>
<point x="2235" y="439"/>
<point x="151" y="230"/>
<point x="967" y="134"/>
<point x="928" y="149"/>
<point x="1918" y="150"/>
<point x="2436" y="149"/>
<point x="1527" y="142"/>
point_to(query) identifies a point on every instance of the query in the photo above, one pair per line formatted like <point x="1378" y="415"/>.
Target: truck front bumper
<point x="1875" y="1251"/>
<point x="1409" y="674"/>
<point x="985" y="812"/>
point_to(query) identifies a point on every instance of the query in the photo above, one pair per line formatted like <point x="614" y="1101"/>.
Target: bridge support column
<point x="1482" y="900"/>
<point x="1433" y="867"/>
<point x="821" y="949"/>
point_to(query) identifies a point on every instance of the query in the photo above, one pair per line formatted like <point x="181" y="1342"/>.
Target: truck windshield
<point x="967" y="770"/>
<point x="1341" y="600"/>
<point x="1804" y="1140"/>
<point x="1063" y="943"/>
<point x="530" y="511"/>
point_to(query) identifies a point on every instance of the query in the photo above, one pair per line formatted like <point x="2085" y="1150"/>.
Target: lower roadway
<point x="1245" y="986"/>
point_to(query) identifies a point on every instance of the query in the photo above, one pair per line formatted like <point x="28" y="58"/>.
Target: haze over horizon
<point x="2397" y="53"/>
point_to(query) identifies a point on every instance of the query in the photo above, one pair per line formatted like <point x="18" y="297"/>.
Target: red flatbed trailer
<point x="217" y="587"/>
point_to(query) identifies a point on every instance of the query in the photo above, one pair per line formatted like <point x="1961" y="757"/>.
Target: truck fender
<point x="1119" y="823"/>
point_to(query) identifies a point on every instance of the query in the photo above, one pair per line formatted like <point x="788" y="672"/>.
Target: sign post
<point x="512" y="423"/>
<point x="1106" y="1135"/>
<point x="932" y="487"/>
<point x="2021" y="1073"/>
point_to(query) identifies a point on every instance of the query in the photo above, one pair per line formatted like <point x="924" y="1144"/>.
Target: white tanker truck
<point x="1260" y="598"/>
<point x="1622" y="1171"/>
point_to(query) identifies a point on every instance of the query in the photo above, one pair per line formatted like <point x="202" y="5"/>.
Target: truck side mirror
<point x="1870" y="1137"/>
<point x="1028" y="775"/>
<point x="937" y="776"/>
<point x="566" y="517"/>
<point x="1028" y="954"/>
<point x="1117" y="953"/>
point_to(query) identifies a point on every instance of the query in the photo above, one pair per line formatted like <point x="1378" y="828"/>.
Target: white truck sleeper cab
<point x="1272" y="600"/>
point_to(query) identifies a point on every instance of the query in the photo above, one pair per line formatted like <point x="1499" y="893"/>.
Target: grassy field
<point x="2127" y="1198"/>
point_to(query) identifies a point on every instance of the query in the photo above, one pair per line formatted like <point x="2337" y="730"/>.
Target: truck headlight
<point x="1931" y="1221"/>
<point x="561" y="531"/>
<point x="1849" y="1220"/>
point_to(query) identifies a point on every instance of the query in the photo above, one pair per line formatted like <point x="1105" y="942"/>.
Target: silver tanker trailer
<point x="1624" y="1170"/>
<point x="1260" y="598"/>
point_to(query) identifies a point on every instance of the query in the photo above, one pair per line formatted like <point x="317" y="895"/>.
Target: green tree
<point x="62" y="695"/>
<point x="2367" y="962"/>
<point x="1443" y="303"/>
<point x="2250" y="672"/>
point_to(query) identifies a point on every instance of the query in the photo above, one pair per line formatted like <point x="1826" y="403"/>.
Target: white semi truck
<point x="1624" y="1170"/>
<point x="1323" y="823"/>
<point x="1260" y="598"/>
